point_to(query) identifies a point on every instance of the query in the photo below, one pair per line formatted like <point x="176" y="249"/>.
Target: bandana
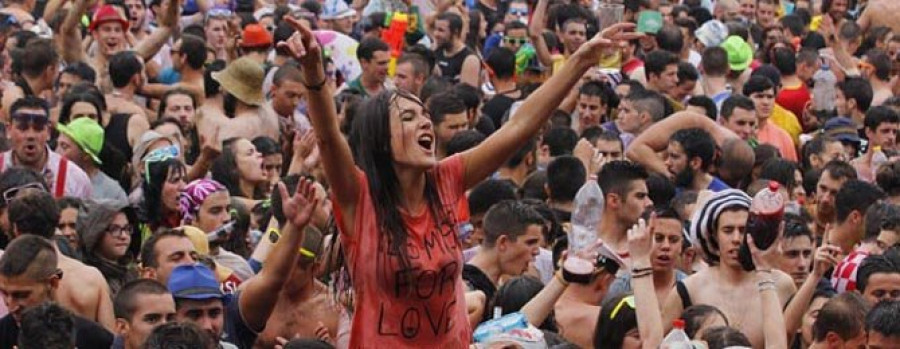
<point x="194" y="194"/>
<point x="706" y="217"/>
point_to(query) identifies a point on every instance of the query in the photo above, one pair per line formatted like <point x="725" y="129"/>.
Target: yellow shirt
<point x="787" y="121"/>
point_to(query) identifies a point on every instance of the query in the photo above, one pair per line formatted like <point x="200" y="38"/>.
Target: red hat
<point x="107" y="13"/>
<point x="255" y="35"/>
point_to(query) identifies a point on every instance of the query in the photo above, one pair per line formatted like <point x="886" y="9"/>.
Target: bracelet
<point x="641" y="270"/>
<point x="558" y="276"/>
<point x="765" y="286"/>
<point x="317" y="87"/>
<point x="767" y="271"/>
<point x="640" y="275"/>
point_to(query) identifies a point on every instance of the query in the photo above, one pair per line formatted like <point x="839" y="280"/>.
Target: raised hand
<point x="303" y="45"/>
<point x="323" y="334"/>
<point x="639" y="242"/>
<point x="299" y="207"/>
<point x="827" y="255"/>
<point x="211" y="146"/>
<point x="613" y="36"/>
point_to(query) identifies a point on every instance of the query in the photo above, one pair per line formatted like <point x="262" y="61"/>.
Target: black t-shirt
<point x="236" y="330"/>
<point x="497" y="106"/>
<point x="814" y="41"/>
<point x="88" y="334"/>
<point x="477" y="280"/>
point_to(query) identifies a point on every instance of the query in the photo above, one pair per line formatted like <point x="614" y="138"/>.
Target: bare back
<point x="300" y="317"/>
<point x="84" y="291"/>
<point x="881" y="13"/>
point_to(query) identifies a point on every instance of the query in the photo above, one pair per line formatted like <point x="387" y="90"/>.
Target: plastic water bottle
<point x="766" y="213"/>
<point x="823" y="91"/>
<point x="677" y="338"/>
<point x="878" y="159"/>
<point x="586" y="217"/>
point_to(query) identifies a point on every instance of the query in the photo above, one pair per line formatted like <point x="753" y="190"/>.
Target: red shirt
<point x="794" y="98"/>
<point x="422" y="306"/>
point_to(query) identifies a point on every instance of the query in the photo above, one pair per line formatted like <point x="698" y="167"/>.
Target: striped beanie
<point x="706" y="218"/>
<point x="193" y="195"/>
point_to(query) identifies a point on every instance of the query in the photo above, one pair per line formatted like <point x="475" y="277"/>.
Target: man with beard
<point x="834" y="174"/>
<point x="690" y="154"/>
<point x="108" y="29"/>
<point x="456" y="61"/>
<point x="137" y="19"/>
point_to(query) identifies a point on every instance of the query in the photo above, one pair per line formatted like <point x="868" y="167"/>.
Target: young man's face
<point x="765" y="14"/>
<point x="405" y="78"/>
<point x="286" y="97"/>
<point x="136" y="13"/>
<point x="826" y="190"/>
<point x="666" y="247"/>
<point x="732" y="226"/>
<point x="667" y="80"/>
<point x="377" y="67"/>
<point x="884" y="135"/>
<point x="683" y="89"/>
<point x="452" y="124"/>
<point x="180" y="107"/>
<point x="29" y="134"/>
<point x="590" y="111"/>
<point x="840" y="103"/>
<point x="215" y="32"/>
<point x="213" y="212"/>
<point x="442" y="34"/>
<point x="743" y="122"/>
<point x="21" y="293"/>
<point x="676" y="160"/>
<point x="748" y="9"/>
<point x="574" y="34"/>
<point x="151" y="311"/>
<point x="636" y="201"/>
<point x="611" y="150"/>
<point x="628" y="119"/>
<point x="515" y="38"/>
<point x="883" y="287"/>
<point x="887" y="239"/>
<point x="110" y="37"/>
<point x="764" y="102"/>
<point x="171" y="251"/>
<point x="207" y="314"/>
<point x="796" y="256"/>
<point x="515" y="256"/>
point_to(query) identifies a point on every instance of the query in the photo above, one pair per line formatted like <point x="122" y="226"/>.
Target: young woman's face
<point x="214" y="212"/>
<point x="249" y="161"/>
<point x="66" y="226"/>
<point x="116" y="239"/>
<point x="412" y="134"/>
<point x="172" y="187"/>
<point x="632" y="340"/>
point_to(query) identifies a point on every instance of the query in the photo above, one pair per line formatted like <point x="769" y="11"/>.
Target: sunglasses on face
<point x="23" y="121"/>
<point x="517" y="12"/>
<point x="515" y="41"/>
<point x="11" y="193"/>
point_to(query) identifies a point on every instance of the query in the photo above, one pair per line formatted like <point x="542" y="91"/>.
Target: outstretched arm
<point x="335" y="152"/>
<point x="258" y="300"/>
<point x="70" y="36"/>
<point x="484" y="159"/>
<point x="655" y="138"/>
<point x="536" y="31"/>
<point x="168" y="21"/>
<point x="646" y="304"/>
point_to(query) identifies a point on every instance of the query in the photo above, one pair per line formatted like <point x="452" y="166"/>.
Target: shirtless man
<point x="304" y="306"/>
<point x="108" y="29"/>
<point x="40" y="64"/>
<point x="241" y="113"/>
<point x="737" y="155"/>
<point x="880" y="13"/>
<point x="188" y="58"/>
<point x="83" y="290"/>
<point x="718" y="227"/>
<point x="624" y="186"/>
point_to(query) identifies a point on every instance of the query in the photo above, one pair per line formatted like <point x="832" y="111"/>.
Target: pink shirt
<point x="420" y="306"/>
<point x="770" y="133"/>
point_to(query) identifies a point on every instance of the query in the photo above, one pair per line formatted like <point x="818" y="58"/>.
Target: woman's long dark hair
<point x="225" y="170"/>
<point x="159" y="172"/>
<point x="370" y="139"/>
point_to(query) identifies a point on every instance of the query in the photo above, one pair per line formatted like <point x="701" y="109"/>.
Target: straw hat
<point x="243" y="78"/>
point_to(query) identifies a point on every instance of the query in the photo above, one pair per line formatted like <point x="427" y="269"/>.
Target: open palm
<point x="298" y="208"/>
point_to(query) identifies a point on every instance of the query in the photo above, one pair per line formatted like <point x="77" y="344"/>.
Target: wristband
<point x="317" y="87"/>
<point x="640" y="275"/>
<point x="641" y="270"/>
<point x="559" y="277"/>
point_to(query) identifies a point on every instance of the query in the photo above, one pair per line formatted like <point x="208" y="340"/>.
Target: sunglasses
<point x="515" y="41"/>
<point x="35" y="121"/>
<point x="218" y="13"/>
<point x="158" y="155"/>
<point x="627" y="300"/>
<point x="11" y="193"/>
<point x="518" y="12"/>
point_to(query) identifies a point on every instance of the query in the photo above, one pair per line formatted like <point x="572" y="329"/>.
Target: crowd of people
<point x="413" y="173"/>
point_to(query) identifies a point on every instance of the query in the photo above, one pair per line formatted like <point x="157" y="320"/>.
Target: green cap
<point x="740" y="54"/>
<point x="87" y="133"/>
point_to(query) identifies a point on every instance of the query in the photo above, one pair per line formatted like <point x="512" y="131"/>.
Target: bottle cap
<point x="773" y="185"/>
<point x="678" y="323"/>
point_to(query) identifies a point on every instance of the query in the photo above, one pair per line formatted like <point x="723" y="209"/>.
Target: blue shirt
<point x="717" y="185"/>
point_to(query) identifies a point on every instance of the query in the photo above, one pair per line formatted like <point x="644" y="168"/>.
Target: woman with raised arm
<point x="396" y="204"/>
